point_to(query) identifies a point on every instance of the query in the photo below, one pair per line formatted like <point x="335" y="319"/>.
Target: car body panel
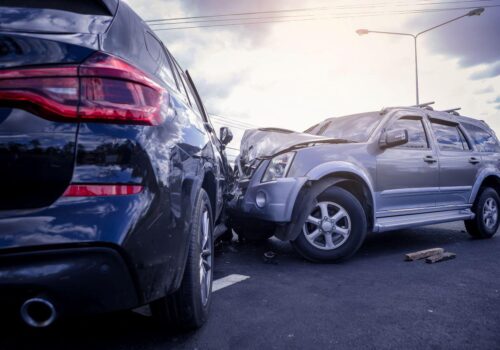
<point x="150" y="231"/>
<point x="404" y="188"/>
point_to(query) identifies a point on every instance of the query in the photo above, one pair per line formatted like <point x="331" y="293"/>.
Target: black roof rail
<point x="453" y="111"/>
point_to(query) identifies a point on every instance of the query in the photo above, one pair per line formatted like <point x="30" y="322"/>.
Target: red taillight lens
<point x="113" y="90"/>
<point x="101" y="190"/>
<point x="103" y="89"/>
<point x="50" y="93"/>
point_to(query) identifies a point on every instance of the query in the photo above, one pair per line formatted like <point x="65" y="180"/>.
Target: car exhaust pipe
<point x="38" y="312"/>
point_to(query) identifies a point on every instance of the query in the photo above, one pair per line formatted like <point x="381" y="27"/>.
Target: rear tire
<point x="335" y="228"/>
<point x="486" y="222"/>
<point x="188" y="307"/>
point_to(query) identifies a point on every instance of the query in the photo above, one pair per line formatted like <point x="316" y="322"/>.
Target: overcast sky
<point x="296" y="74"/>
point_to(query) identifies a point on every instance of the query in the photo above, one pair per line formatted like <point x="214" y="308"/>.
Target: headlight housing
<point x="278" y="167"/>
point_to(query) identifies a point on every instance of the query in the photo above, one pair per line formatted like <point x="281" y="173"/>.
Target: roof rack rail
<point x="453" y="111"/>
<point x="426" y="105"/>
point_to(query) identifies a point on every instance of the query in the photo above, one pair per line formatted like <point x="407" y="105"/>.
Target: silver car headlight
<point x="278" y="167"/>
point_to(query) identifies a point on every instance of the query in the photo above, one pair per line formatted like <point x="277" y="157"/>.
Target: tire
<point x="347" y="232"/>
<point x="188" y="307"/>
<point x="486" y="208"/>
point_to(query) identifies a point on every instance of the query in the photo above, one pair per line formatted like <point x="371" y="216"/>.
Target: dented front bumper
<point x="269" y="201"/>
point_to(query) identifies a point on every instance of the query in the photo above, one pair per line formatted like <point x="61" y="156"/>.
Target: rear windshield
<point x="86" y="7"/>
<point x="356" y="127"/>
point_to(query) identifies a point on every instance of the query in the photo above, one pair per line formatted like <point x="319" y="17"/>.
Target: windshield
<point x="356" y="127"/>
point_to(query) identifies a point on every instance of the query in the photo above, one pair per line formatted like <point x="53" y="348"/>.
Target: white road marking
<point x="227" y="281"/>
<point x="217" y="285"/>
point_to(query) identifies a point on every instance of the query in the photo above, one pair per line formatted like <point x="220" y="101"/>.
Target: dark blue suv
<point x="112" y="177"/>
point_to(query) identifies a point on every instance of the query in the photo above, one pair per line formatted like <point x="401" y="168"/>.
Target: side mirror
<point x="226" y="135"/>
<point x="393" y="138"/>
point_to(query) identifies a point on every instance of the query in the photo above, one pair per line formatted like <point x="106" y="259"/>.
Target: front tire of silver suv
<point x="486" y="208"/>
<point x="335" y="228"/>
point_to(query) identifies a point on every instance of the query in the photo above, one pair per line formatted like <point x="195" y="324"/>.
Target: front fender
<point x="335" y="167"/>
<point x="319" y="179"/>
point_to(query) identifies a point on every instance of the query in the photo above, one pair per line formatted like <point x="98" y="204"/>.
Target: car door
<point x="407" y="175"/>
<point x="458" y="163"/>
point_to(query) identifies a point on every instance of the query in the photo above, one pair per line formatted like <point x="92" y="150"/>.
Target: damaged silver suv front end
<point x="262" y="189"/>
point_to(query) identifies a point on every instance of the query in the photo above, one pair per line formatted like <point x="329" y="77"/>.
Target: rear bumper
<point x="84" y="280"/>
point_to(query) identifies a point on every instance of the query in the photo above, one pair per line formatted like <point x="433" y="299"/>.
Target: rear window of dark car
<point x="483" y="139"/>
<point x="85" y="7"/>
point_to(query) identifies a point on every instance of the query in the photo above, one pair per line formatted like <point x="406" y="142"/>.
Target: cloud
<point x="486" y="90"/>
<point x="497" y="100"/>
<point x="473" y="40"/>
<point x="489" y="72"/>
<point x="257" y="34"/>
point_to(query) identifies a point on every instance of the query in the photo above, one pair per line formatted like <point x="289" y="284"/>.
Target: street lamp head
<point x="362" y="31"/>
<point x="476" y="12"/>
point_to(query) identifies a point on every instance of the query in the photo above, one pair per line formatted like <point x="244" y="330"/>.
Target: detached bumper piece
<point x="76" y="281"/>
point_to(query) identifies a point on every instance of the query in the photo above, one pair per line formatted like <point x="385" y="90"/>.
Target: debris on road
<point x="422" y="254"/>
<point x="270" y="257"/>
<point x="440" y="257"/>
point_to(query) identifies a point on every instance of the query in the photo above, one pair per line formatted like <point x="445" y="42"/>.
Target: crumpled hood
<point x="266" y="142"/>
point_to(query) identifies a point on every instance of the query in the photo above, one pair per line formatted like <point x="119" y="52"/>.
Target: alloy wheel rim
<point x="328" y="226"/>
<point x="205" y="258"/>
<point x="490" y="213"/>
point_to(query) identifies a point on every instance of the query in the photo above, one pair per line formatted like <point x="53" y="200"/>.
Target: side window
<point x="484" y="140"/>
<point x="449" y="137"/>
<point x="162" y="67"/>
<point x="180" y="82"/>
<point x="193" y="100"/>
<point x="417" y="139"/>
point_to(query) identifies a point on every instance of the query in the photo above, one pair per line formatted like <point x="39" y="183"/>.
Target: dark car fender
<point x="190" y="188"/>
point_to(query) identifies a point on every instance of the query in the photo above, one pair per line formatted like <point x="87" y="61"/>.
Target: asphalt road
<point x="374" y="301"/>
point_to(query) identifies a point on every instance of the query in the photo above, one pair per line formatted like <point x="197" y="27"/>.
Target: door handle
<point x="430" y="159"/>
<point x="474" y="160"/>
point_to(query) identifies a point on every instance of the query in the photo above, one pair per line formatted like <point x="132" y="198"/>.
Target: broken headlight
<point x="278" y="167"/>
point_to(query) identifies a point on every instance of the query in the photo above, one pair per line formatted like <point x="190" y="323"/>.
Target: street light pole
<point x="475" y="12"/>
<point x="416" y="69"/>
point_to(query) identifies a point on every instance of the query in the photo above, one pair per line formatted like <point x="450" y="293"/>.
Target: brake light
<point x="102" y="89"/>
<point x="101" y="190"/>
<point x="47" y="92"/>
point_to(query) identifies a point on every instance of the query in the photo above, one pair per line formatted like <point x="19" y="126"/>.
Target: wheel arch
<point x="351" y="178"/>
<point x="190" y="188"/>
<point x="487" y="178"/>
<point x="354" y="179"/>
<point x="209" y="184"/>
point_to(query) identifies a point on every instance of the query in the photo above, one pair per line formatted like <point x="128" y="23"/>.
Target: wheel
<point x="188" y="307"/>
<point x="485" y="224"/>
<point x="335" y="229"/>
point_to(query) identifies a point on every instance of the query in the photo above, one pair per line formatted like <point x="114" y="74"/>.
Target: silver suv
<point x="324" y="189"/>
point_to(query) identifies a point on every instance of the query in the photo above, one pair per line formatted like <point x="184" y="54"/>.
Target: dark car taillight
<point x="102" y="89"/>
<point x="96" y="190"/>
